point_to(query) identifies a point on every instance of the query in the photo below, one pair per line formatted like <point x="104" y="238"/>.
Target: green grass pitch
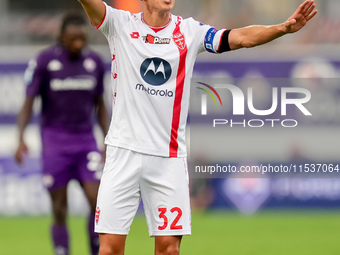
<point x="213" y="233"/>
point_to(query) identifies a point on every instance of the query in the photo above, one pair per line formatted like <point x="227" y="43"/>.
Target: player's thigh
<point x="165" y="194"/>
<point x="119" y="192"/>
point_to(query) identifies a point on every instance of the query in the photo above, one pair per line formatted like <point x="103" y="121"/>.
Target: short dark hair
<point x="72" y="18"/>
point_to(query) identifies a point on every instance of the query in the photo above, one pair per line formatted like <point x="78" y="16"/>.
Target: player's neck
<point x="156" y="19"/>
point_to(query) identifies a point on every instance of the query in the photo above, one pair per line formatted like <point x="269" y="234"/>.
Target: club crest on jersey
<point x="155" y="39"/>
<point x="54" y="65"/>
<point x="179" y="40"/>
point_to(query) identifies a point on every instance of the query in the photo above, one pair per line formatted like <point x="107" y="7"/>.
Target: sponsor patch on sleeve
<point x="29" y="72"/>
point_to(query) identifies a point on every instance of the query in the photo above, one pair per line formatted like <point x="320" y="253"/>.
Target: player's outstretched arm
<point x="256" y="35"/>
<point x="23" y="119"/>
<point x="95" y="10"/>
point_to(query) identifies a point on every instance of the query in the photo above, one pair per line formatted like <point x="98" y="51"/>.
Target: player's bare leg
<point x="59" y="229"/>
<point x="167" y="245"/>
<point x="111" y="244"/>
<point x="91" y="190"/>
<point x="59" y="205"/>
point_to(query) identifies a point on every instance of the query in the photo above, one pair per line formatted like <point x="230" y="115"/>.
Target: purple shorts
<point x="77" y="158"/>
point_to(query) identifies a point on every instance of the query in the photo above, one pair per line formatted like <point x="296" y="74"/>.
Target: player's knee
<point x="168" y="249"/>
<point x="105" y="251"/>
<point x="110" y="250"/>
<point x="59" y="213"/>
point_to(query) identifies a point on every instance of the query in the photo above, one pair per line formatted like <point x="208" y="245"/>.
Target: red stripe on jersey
<point x="176" y="114"/>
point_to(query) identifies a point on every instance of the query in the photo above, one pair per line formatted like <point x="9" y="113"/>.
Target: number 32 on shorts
<point x="162" y="215"/>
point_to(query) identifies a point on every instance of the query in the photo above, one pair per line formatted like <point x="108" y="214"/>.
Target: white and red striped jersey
<point x="151" y="72"/>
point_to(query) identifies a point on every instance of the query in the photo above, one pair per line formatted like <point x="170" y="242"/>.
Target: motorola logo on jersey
<point x="155" y="71"/>
<point x="155" y="92"/>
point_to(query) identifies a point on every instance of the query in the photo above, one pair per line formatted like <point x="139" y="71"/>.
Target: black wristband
<point x="224" y="44"/>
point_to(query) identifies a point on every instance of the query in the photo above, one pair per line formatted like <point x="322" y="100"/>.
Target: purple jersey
<point x="68" y="89"/>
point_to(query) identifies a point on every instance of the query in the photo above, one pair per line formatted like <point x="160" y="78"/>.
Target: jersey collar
<point x="156" y="29"/>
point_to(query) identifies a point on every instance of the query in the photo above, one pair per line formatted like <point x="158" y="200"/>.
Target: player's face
<point x="74" y="39"/>
<point x="161" y="5"/>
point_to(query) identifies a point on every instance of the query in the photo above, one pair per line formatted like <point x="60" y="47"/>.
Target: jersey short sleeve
<point x="115" y="17"/>
<point x="34" y="77"/>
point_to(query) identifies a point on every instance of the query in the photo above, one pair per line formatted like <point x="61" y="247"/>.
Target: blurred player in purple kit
<point x="153" y="58"/>
<point x="69" y="79"/>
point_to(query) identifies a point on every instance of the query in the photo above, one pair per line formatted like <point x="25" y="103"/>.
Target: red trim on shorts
<point x="176" y="114"/>
<point x="102" y="20"/>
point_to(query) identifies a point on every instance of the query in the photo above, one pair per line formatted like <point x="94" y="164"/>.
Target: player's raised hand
<point x="19" y="154"/>
<point x="300" y="17"/>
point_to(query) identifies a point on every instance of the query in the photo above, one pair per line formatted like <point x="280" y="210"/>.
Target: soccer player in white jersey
<point x="153" y="55"/>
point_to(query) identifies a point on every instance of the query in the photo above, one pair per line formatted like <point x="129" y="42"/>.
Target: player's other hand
<point x="19" y="154"/>
<point x="300" y="17"/>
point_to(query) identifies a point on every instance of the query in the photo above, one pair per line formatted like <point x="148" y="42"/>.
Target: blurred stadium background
<point x="230" y="216"/>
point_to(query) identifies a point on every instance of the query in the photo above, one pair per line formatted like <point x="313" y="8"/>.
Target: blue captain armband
<point x="209" y="40"/>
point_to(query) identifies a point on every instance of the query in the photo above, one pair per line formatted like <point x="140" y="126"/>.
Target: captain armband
<point x="216" y="41"/>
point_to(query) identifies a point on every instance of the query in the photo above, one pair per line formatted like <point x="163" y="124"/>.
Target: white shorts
<point x="162" y="183"/>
